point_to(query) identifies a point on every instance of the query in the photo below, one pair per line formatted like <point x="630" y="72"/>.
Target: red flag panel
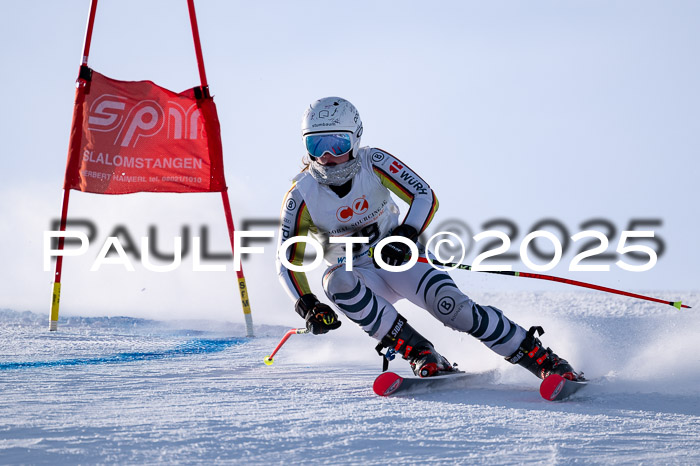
<point x="132" y="137"/>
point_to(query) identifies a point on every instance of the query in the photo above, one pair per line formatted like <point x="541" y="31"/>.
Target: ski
<point x="391" y="383"/>
<point x="557" y="388"/>
<point x="553" y="388"/>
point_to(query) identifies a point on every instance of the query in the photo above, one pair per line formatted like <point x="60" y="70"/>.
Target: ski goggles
<point x="336" y="144"/>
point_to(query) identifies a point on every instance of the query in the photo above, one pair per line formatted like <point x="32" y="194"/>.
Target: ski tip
<point x="557" y="388"/>
<point x="551" y="387"/>
<point x="268" y="360"/>
<point x="387" y="383"/>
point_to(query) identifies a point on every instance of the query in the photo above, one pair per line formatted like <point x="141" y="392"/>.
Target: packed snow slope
<point x="133" y="391"/>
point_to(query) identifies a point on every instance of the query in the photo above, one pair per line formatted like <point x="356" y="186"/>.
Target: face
<point x="330" y="160"/>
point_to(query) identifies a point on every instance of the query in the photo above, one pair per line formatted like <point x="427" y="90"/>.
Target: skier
<point x="344" y="191"/>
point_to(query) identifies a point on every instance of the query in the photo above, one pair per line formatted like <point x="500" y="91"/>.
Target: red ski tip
<point x="558" y="388"/>
<point x="552" y="386"/>
<point x="387" y="383"/>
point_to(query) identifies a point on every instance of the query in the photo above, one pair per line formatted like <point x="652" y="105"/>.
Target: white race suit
<point x="366" y="294"/>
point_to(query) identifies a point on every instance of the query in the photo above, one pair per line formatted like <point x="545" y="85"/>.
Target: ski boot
<point x="541" y="361"/>
<point x="420" y="353"/>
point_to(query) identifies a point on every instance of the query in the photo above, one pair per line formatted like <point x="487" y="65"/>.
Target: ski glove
<point x="395" y="253"/>
<point x="320" y="318"/>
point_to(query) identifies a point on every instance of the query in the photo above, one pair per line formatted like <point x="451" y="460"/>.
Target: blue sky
<point x="518" y="110"/>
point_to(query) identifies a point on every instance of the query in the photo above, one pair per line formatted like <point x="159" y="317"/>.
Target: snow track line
<point x="192" y="347"/>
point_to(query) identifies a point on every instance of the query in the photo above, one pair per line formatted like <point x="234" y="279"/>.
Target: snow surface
<point x="134" y="391"/>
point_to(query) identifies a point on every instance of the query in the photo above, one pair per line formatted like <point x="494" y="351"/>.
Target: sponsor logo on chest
<point x="358" y="214"/>
<point x="346" y="213"/>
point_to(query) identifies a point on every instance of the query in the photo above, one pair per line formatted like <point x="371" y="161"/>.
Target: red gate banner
<point x="135" y="136"/>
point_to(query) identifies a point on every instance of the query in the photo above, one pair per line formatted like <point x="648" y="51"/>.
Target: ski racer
<point x="344" y="191"/>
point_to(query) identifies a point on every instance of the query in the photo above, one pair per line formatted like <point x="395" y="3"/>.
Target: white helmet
<point x="333" y="115"/>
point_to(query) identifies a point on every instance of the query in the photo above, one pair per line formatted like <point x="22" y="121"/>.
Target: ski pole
<point x="676" y="304"/>
<point x="298" y="331"/>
